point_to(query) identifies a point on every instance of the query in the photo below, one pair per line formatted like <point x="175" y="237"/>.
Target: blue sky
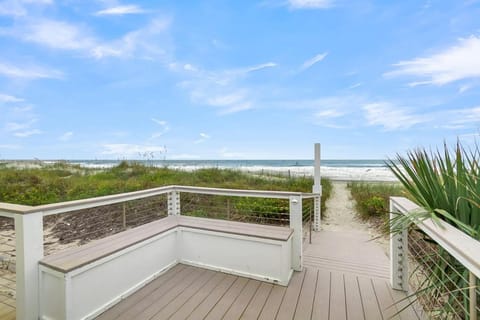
<point x="266" y="79"/>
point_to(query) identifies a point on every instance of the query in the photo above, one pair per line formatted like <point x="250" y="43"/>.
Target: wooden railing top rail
<point x="460" y="245"/>
<point x="9" y="210"/>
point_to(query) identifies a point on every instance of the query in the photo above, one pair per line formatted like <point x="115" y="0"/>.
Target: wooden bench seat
<point x="82" y="282"/>
<point x="74" y="258"/>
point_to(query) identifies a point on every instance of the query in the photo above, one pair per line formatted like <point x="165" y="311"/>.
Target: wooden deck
<point x="345" y="277"/>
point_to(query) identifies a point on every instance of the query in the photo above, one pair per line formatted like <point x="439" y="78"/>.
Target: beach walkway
<point x="345" y="277"/>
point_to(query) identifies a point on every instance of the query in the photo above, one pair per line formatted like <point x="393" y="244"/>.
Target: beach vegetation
<point x="63" y="182"/>
<point x="446" y="184"/>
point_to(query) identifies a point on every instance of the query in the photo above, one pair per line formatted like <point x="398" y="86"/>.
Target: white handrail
<point x="460" y="245"/>
<point x="9" y="210"/>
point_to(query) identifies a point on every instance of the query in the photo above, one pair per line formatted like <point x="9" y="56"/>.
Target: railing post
<point x="29" y="247"/>
<point x="317" y="189"/>
<point x="398" y="255"/>
<point x="472" y="294"/>
<point x="173" y="203"/>
<point x="296" y="225"/>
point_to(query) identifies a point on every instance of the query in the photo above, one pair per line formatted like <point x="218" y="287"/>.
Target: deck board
<point x="353" y="298"/>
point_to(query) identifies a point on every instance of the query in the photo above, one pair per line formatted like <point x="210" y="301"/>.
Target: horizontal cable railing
<point x="442" y="266"/>
<point x="74" y="223"/>
<point x="7" y="263"/>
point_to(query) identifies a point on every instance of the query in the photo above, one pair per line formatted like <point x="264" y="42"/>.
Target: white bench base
<point x="85" y="292"/>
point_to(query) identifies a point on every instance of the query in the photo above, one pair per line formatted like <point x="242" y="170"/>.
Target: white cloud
<point x="8" y="98"/>
<point x="57" y="35"/>
<point x="203" y="138"/>
<point x="29" y="72"/>
<point x="121" y="10"/>
<point x="63" y="35"/>
<point x="310" y="62"/>
<point x="311" y="4"/>
<point x="138" y="42"/>
<point x="390" y="117"/>
<point x="66" y="136"/>
<point x="356" y="85"/>
<point x="124" y="149"/>
<point x="164" y="128"/>
<point x="452" y="64"/>
<point x="220" y="89"/>
<point x="17" y="8"/>
<point x="328" y="114"/>
<point x="27" y="133"/>
<point x="9" y="146"/>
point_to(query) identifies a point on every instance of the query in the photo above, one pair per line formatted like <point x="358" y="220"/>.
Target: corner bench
<point x="81" y="282"/>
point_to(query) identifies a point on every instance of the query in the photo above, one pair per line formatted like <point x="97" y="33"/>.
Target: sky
<point x="108" y="79"/>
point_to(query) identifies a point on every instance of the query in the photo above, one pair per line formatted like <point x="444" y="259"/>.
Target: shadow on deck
<point x="345" y="277"/>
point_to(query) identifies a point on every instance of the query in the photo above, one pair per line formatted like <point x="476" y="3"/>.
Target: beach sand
<point x="341" y="216"/>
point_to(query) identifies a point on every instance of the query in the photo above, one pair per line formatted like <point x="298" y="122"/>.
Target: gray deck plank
<point x="369" y="299"/>
<point x="272" y="305"/>
<point x="228" y="298"/>
<point x="236" y="309"/>
<point x="159" y="298"/>
<point x="200" y="311"/>
<point x="385" y="300"/>
<point x="401" y="303"/>
<point x="203" y="282"/>
<point x="321" y="301"/>
<point x="307" y="295"/>
<point x="258" y="301"/>
<point x="289" y="303"/>
<point x="353" y="299"/>
<point x="114" y="312"/>
<point x="338" y="308"/>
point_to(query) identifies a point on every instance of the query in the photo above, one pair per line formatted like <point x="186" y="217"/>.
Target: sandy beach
<point x="341" y="216"/>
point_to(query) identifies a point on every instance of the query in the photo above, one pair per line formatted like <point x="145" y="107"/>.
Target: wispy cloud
<point x="452" y="64"/>
<point x="66" y="136"/>
<point x="390" y="116"/>
<point x="203" y="137"/>
<point x="310" y="62"/>
<point x="356" y="85"/>
<point x="18" y="8"/>
<point x="29" y="72"/>
<point x="27" y="133"/>
<point x="220" y="89"/>
<point x="8" y="98"/>
<point x="57" y="35"/>
<point x="311" y="4"/>
<point x="63" y="35"/>
<point x="120" y="10"/>
<point x="9" y="146"/>
<point x="164" y="128"/>
<point x="124" y="149"/>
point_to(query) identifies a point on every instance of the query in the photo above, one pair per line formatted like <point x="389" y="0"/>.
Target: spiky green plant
<point x="446" y="184"/>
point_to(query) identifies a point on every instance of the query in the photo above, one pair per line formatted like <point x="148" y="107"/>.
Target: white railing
<point x="29" y="229"/>
<point x="464" y="250"/>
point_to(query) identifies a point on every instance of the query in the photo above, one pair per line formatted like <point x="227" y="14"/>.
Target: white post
<point x="296" y="225"/>
<point x="173" y="203"/>
<point x="29" y="250"/>
<point x="398" y="255"/>
<point x="317" y="189"/>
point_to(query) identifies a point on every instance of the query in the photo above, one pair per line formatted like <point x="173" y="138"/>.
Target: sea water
<point x="365" y="170"/>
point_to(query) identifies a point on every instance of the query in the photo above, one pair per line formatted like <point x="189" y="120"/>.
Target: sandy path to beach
<point x="341" y="215"/>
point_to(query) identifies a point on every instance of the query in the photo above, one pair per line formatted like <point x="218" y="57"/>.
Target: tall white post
<point x="173" y="203"/>
<point x="317" y="189"/>
<point x="296" y="225"/>
<point x="29" y="247"/>
<point x="398" y="255"/>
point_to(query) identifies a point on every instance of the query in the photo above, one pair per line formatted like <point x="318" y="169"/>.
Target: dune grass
<point x="372" y="198"/>
<point x="64" y="182"/>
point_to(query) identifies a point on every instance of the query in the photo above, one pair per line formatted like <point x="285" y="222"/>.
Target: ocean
<point x="369" y="170"/>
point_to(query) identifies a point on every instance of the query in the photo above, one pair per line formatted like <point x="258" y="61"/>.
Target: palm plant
<point x="446" y="184"/>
